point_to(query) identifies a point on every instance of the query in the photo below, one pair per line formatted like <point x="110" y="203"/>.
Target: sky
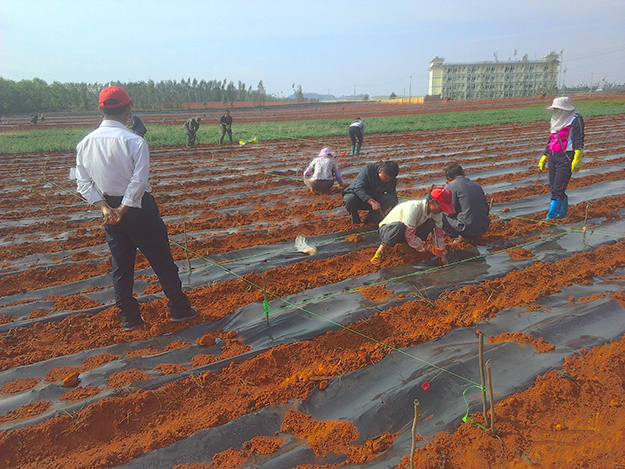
<point x="337" y="47"/>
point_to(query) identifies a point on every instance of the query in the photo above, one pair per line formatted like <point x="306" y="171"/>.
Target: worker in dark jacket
<point x="471" y="218"/>
<point x="374" y="190"/>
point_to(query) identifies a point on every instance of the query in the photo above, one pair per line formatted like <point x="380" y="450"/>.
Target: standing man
<point x="411" y="222"/>
<point x="374" y="190"/>
<point x="564" y="152"/>
<point x="112" y="166"/>
<point x="471" y="218"/>
<point x="226" y="127"/>
<point x="191" y="127"/>
<point x="357" y="133"/>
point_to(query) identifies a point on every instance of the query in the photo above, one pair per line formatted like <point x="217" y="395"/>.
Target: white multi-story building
<point x="483" y="80"/>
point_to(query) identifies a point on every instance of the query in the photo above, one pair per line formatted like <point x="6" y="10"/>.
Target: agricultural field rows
<point x="311" y="361"/>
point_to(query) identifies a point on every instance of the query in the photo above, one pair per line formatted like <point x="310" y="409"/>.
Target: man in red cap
<point x="411" y="223"/>
<point x="112" y="167"/>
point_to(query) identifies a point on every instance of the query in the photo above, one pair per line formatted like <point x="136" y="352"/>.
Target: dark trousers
<point x="355" y="133"/>
<point x="353" y="203"/>
<point x="225" y="130"/>
<point x="395" y="232"/>
<point x="559" y="173"/>
<point x="143" y="228"/>
<point x="190" y="139"/>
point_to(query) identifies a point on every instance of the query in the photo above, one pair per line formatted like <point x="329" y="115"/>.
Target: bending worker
<point x="357" y="133"/>
<point x="374" y="190"/>
<point x="564" y="152"/>
<point x="191" y="126"/>
<point x="471" y="218"/>
<point x="411" y="222"/>
<point x="321" y="172"/>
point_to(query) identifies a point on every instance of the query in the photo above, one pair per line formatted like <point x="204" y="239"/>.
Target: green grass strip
<point x="65" y="140"/>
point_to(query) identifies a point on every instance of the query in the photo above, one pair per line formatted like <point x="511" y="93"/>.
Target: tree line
<point x="35" y="96"/>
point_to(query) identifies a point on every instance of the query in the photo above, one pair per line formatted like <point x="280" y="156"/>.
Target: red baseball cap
<point x="443" y="196"/>
<point x="116" y="93"/>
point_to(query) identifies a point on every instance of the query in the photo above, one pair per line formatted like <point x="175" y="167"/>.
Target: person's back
<point x="472" y="218"/>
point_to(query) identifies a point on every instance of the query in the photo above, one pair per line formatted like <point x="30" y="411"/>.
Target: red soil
<point x="573" y="414"/>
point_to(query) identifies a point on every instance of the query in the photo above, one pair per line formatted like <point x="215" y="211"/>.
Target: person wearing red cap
<point x="112" y="168"/>
<point x="564" y="153"/>
<point x="411" y="223"/>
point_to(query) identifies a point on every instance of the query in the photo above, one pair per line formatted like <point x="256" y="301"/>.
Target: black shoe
<point x="131" y="326"/>
<point x="190" y="315"/>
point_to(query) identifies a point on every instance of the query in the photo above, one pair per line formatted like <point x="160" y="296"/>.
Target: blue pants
<point x="143" y="228"/>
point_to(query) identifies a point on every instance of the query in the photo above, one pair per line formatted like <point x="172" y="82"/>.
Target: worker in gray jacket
<point x="471" y="218"/>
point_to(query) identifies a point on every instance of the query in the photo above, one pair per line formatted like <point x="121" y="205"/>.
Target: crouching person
<point x="411" y="223"/>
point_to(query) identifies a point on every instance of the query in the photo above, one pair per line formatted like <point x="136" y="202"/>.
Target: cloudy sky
<point x="336" y="46"/>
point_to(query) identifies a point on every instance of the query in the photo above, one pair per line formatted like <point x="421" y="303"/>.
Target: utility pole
<point x="410" y="90"/>
<point x="354" y="91"/>
<point x="590" y="90"/>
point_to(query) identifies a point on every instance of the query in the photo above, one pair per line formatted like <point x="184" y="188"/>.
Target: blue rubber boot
<point x="358" y="149"/>
<point x="554" y="208"/>
<point x="353" y="147"/>
<point x="564" y="210"/>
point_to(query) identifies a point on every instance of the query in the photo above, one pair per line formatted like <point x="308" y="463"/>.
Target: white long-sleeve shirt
<point x="113" y="161"/>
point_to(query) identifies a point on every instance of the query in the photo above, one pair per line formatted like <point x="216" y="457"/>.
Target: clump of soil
<point x="80" y="393"/>
<point x="123" y="378"/>
<point x="26" y="411"/>
<point x="539" y="344"/>
<point x="19" y="385"/>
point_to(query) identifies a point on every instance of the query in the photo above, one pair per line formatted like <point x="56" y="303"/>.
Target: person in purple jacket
<point x="564" y="153"/>
<point x="321" y="172"/>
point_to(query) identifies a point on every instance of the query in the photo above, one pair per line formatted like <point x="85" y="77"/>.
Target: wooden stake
<point x="482" y="378"/>
<point x="490" y="396"/>
<point x="414" y="431"/>
<point x="186" y="247"/>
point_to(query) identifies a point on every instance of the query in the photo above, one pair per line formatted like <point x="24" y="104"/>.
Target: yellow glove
<point x="577" y="160"/>
<point x="542" y="162"/>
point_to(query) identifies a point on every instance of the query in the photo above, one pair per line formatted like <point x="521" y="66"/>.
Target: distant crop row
<point x="60" y="140"/>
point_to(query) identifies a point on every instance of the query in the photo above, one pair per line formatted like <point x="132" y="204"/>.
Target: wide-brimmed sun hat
<point x="563" y="102"/>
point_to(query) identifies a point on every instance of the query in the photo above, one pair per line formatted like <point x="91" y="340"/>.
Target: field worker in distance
<point x="564" y="153"/>
<point x="136" y="125"/>
<point x="112" y="168"/>
<point x="471" y="218"/>
<point x="374" y="190"/>
<point x="357" y="133"/>
<point x="191" y="127"/>
<point x="226" y="127"/>
<point x="321" y="172"/>
<point x="411" y="223"/>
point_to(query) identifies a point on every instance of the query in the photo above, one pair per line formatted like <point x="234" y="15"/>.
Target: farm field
<point x="315" y="361"/>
